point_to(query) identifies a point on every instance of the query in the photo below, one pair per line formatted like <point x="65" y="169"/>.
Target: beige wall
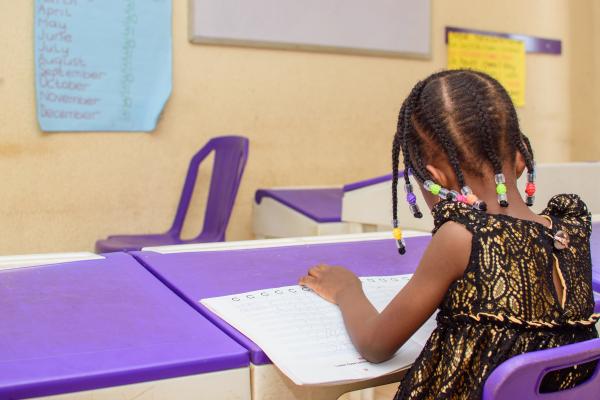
<point x="313" y="119"/>
<point x="585" y="82"/>
<point x="594" y="133"/>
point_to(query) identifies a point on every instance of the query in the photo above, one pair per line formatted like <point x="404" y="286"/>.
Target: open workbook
<point x="305" y="336"/>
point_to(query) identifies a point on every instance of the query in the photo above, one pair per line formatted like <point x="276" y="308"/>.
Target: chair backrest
<point x="520" y="376"/>
<point x="231" y="154"/>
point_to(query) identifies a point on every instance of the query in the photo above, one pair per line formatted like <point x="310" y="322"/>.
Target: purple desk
<point x="284" y="213"/>
<point x="209" y="274"/>
<point x="320" y="205"/>
<point x="197" y="275"/>
<point x="93" y="324"/>
<point x="369" y="182"/>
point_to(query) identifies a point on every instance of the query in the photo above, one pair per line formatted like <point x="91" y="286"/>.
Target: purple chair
<point x="520" y="376"/>
<point x="231" y="153"/>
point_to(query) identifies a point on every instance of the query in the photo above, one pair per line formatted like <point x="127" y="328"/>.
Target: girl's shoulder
<point x="464" y="214"/>
<point x="568" y="209"/>
<point x="571" y="211"/>
<point x="566" y="206"/>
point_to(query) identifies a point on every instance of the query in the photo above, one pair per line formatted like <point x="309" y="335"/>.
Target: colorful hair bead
<point x="466" y="195"/>
<point x="462" y="198"/>
<point x="432" y="187"/>
<point x="473" y="200"/>
<point x="412" y="201"/>
<point x="466" y="190"/>
<point x="443" y="193"/>
<point x="501" y="190"/>
<point x="397" y="233"/>
<point x="454" y="195"/>
<point x="411" y="198"/>
<point x="530" y="188"/>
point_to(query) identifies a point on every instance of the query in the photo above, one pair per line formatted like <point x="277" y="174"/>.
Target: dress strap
<point x="461" y="213"/>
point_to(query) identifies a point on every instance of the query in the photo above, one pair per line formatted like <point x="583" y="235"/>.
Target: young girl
<point x="506" y="280"/>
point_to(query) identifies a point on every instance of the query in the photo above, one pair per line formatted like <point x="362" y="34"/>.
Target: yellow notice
<point x="504" y="59"/>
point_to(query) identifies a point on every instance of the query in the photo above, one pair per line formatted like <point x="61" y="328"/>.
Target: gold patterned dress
<point x="506" y="303"/>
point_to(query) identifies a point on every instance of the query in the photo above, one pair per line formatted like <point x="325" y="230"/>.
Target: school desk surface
<point x="93" y="324"/>
<point x="320" y="205"/>
<point x="297" y="212"/>
<point x="198" y="275"/>
<point x="371" y="181"/>
<point x="306" y="211"/>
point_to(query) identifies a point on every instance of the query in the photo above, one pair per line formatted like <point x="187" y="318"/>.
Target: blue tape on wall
<point x="102" y="65"/>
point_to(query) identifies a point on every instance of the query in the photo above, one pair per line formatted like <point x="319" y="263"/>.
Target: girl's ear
<point x="439" y="176"/>
<point x="519" y="164"/>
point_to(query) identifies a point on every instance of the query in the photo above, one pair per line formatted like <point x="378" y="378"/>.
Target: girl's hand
<point x="331" y="283"/>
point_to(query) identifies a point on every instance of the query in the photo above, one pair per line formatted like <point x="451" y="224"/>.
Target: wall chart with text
<point x="102" y="65"/>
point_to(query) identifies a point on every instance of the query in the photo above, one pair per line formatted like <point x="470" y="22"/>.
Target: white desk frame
<point x="32" y="260"/>
<point x="233" y="384"/>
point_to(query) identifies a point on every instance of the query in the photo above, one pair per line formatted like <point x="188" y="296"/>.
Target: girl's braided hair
<point x="463" y="115"/>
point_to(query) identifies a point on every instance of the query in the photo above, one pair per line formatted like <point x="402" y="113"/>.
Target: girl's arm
<point x="377" y="336"/>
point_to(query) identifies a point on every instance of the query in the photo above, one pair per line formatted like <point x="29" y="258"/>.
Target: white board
<point x="363" y="26"/>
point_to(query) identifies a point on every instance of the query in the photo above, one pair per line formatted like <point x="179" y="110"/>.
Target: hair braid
<point x="529" y="149"/>
<point x="513" y="122"/>
<point x="439" y="128"/>
<point x="396" y="161"/>
<point x="490" y="144"/>
<point x="468" y="117"/>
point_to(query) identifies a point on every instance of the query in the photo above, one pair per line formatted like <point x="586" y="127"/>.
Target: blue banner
<point x="102" y="65"/>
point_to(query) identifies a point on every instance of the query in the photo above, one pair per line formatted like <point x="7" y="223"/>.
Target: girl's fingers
<point x="308" y="281"/>
<point x="317" y="270"/>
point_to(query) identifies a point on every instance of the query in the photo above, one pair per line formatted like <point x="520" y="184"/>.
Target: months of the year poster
<point x="102" y="65"/>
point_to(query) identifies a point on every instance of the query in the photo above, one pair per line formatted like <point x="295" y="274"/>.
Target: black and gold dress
<point x="506" y="303"/>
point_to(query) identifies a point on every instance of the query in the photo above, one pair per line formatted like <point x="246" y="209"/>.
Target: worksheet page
<point x="305" y="336"/>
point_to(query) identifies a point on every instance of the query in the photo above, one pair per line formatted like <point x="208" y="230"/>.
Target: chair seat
<point x="137" y="242"/>
<point x="230" y="155"/>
